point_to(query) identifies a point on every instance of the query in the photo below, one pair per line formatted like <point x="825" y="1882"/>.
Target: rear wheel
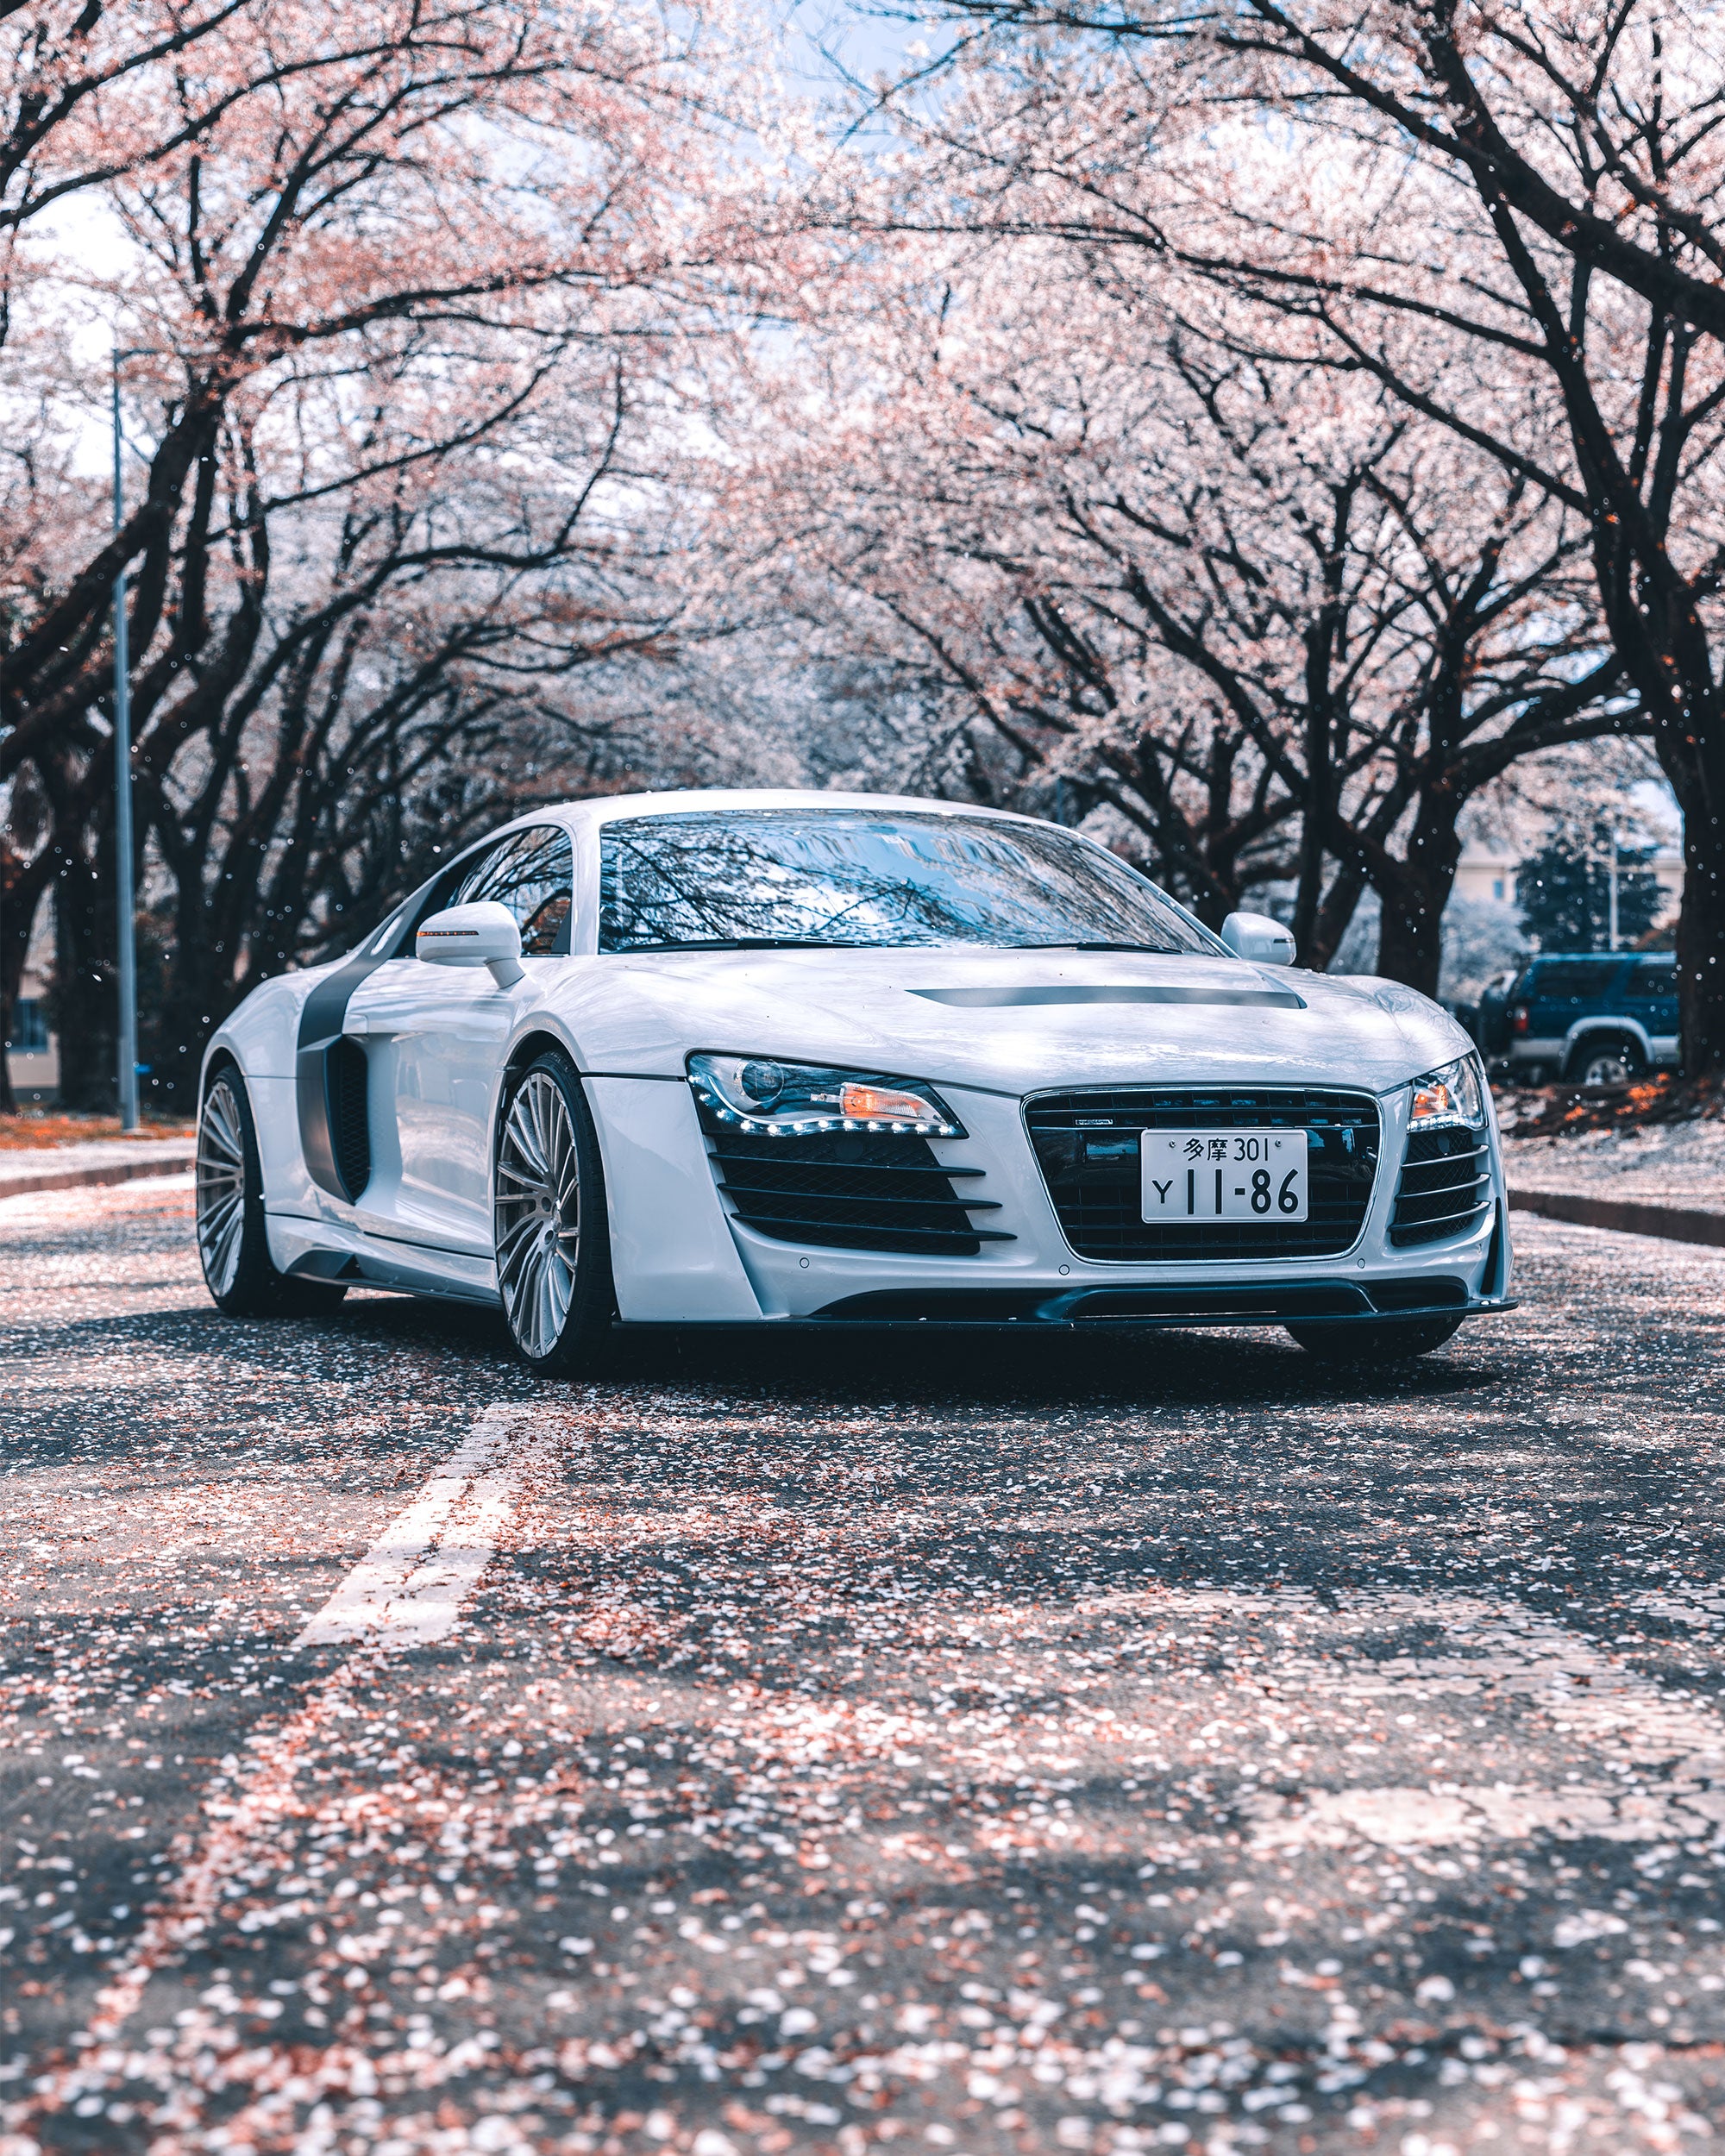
<point x="1610" y="1061"/>
<point x="1389" y="1340"/>
<point x="552" y="1240"/>
<point x="233" y="1246"/>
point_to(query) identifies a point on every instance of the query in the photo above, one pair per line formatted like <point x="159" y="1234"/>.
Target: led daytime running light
<point x="1452" y="1098"/>
<point x="765" y="1099"/>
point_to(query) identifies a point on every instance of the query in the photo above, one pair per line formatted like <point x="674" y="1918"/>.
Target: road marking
<point x="409" y="1587"/>
<point x="408" y="1590"/>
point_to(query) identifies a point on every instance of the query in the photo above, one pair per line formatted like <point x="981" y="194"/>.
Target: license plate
<point x="1224" y="1175"/>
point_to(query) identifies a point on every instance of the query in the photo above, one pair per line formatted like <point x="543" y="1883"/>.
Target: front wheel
<point x="233" y="1246"/>
<point x="552" y="1240"/>
<point x="1371" y="1345"/>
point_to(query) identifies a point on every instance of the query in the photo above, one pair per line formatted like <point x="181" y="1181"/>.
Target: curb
<point x="123" y="1171"/>
<point x="1629" y="1216"/>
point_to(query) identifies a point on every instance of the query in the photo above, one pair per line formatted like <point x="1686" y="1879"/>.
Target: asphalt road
<point x="1105" y="1745"/>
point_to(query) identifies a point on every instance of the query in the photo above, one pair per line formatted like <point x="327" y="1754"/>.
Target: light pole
<point x="1611" y="889"/>
<point x="128" y="966"/>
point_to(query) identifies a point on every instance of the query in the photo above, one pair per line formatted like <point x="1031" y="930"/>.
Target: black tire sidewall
<point x="593" y="1306"/>
<point x="254" y="1289"/>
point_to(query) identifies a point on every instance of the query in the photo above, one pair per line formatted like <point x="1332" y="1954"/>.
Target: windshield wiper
<point x="749" y="943"/>
<point x="1160" y="950"/>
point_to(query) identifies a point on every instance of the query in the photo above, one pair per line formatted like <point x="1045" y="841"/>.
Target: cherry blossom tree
<point x="1509" y="218"/>
<point x="1272" y="623"/>
<point x="411" y="292"/>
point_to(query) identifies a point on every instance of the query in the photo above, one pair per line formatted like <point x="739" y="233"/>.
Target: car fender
<point x="259" y="1038"/>
<point x="1603" y="1023"/>
<point x="654" y="1161"/>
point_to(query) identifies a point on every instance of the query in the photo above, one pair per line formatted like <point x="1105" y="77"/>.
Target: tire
<point x="551" y="1236"/>
<point x="1372" y="1345"/>
<point x="1608" y="1060"/>
<point x="232" y="1247"/>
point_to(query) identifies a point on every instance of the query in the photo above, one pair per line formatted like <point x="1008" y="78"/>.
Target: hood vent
<point x="1020" y="999"/>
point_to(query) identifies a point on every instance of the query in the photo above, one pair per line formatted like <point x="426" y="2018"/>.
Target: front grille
<point x="1087" y="1144"/>
<point x="1445" y="1188"/>
<point x="851" y="1190"/>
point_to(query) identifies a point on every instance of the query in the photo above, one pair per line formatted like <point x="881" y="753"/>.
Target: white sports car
<point x="793" y="1059"/>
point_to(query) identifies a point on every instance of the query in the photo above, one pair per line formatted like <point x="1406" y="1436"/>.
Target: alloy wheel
<point x="221" y="1187"/>
<point x="538" y="1214"/>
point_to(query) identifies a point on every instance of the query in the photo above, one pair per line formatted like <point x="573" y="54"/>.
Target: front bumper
<point x="1335" y="1302"/>
<point x="681" y="1257"/>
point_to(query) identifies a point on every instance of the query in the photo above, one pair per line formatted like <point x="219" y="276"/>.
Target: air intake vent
<point x="1087" y="1145"/>
<point x="850" y="1190"/>
<point x="1445" y="1188"/>
<point x="345" y="1075"/>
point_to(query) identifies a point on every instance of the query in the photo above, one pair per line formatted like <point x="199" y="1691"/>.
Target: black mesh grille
<point x="1087" y="1144"/>
<point x="852" y="1190"/>
<point x="350" y="1137"/>
<point x="1445" y="1188"/>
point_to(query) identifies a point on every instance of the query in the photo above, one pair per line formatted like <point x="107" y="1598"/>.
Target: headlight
<point x="1452" y="1098"/>
<point x="758" y="1094"/>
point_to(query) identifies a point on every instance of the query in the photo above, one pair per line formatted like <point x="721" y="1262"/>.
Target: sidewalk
<point x="26" y="1170"/>
<point x="1667" y="1182"/>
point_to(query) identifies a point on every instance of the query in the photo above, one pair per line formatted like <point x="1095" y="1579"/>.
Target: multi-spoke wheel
<point x="553" y="1254"/>
<point x="233" y="1246"/>
<point x="221" y="1186"/>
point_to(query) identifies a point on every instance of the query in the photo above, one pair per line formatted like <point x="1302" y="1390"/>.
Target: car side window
<point x="1572" y="979"/>
<point x="533" y="874"/>
<point x="1657" y="977"/>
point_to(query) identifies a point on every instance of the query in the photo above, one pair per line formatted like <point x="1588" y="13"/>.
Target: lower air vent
<point x="345" y="1074"/>
<point x="851" y="1190"/>
<point x="1087" y="1145"/>
<point x="1446" y="1186"/>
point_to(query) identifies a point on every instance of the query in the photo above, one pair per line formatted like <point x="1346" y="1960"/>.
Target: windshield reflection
<point x="767" y="879"/>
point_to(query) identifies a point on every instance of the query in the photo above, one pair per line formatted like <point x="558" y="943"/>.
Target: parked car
<point x="1592" y="1019"/>
<point x="794" y="1060"/>
<point x="1488" y="1020"/>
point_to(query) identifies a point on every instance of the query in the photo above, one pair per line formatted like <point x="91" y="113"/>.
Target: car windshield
<point x="775" y="877"/>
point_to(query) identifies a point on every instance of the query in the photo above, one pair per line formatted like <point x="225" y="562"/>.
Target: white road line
<point x="409" y="1587"/>
<point x="408" y="1590"/>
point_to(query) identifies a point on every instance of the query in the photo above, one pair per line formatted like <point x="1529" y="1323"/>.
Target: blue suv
<point x="1592" y="1019"/>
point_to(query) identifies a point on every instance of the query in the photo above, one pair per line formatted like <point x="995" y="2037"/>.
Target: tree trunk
<point x="85" y="989"/>
<point x="1410" y="947"/>
<point x="192" y="991"/>
<point x="21" y="898"/>
<point x="1416" y="891"/>
<point x="1692" y="761"/>
<point x="1341" y="903"/>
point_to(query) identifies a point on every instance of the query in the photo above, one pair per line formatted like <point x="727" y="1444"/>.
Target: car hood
<point x="1009" y="1021"/>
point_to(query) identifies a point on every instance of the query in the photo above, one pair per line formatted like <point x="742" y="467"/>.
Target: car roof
<point x="693" y="800"/>
<point x="1580" y="958"/>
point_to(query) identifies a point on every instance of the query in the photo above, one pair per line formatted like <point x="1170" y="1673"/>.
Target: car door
<point x="434" y="1037"/>
<point x="1651" y="997"/>
<point x="1563" y="991"/>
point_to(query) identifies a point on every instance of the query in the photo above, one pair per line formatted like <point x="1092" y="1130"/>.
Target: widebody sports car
<point x="783" y="1059"/>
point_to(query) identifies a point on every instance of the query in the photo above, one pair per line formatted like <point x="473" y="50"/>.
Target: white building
<point x="1487" y="870"/>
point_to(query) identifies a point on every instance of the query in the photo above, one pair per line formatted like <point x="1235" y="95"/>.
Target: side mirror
<point x="483" y="934"/>
<point x="1256" y="936"/>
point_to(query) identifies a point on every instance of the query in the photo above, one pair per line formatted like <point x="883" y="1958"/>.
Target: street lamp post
<point x="1612" y="888"/>
<point x="123" y="871"/>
